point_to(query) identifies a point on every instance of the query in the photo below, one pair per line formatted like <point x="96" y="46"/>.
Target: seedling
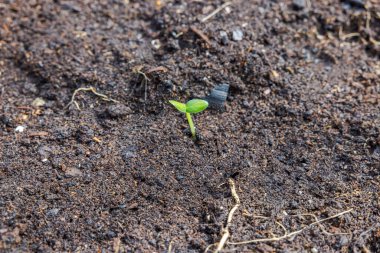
<point x="191" y="107"/>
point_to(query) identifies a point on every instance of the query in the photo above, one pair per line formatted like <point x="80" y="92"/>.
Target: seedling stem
<point x="191" y="107"/>
<point x="191" y="125"/>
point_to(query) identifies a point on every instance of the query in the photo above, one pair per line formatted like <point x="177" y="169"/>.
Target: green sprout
<point x="191" y="107"/>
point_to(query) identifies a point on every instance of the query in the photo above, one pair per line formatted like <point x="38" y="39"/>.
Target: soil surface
<point x="117" y="172"/>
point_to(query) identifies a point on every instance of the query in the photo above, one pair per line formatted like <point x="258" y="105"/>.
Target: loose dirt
<point x="116" y="172"/>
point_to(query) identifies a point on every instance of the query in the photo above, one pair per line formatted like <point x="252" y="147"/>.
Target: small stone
<point x="117" y="111"/>
<point x="314" y="250"/>
<point x="44" y="151"/>
<point x="128" y="153"/>
<point x="308" y="115"/>
<point x="247" y="104"/>
<point x="71" y="7"/>
<point x="294" y="205"/>
<point x="173" y="45"/>
<point x="110" y="234"/>
<point x="5" y="120"/>
<point x="237" y="34"/>
<point x="265" y="248"/>
<point x="38" y="102"/>
<point x="355" y="3"/>
<point x="261" y="10"/>
<point x="343" y="240"/>
<point x="29" y="88"/>
<point x="73" y="172"/>
<point x="274" y="76"/>
<point x="52" y="212"/>
<point x="224" y="38"/>
<point x="169" y="85"/>
<point x="299" y="4"/>
<point x="20" y="129"/>
<point x="156" y="44"/>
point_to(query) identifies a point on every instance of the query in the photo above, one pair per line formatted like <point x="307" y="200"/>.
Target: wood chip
<point x="156" y="69"/>
<point x="200" y="34"/>
<point x="40" y="133"/>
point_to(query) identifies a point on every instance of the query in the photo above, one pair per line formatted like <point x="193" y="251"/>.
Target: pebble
<point x="20" y="129"/>
<point x="44" y="151"/>
<point x="71" y="7"/>
<point x="110" y="234"/>
<point x="299" y="4"/>
<point x="224" y="38"/>
<point x="73" y="172"/>
<point x="117" y="111"/>
<point x="156" y="44"/>
<point x="128" y="152"/>
<point x="52" y="212"/>
<point x="265" y="248"/>
<point x="5" y="120"/>
<point x="267" y="91"/>
<point x="38" y="102"/>
<point x="237" y="34"/>
<point x="169" y="85"/>
<point x="314" y="250"/>
<point x="355" y="3"/>
<point x="294" y="204"/>
<point x="344" y="240"/>
<point x="173" y="45"/>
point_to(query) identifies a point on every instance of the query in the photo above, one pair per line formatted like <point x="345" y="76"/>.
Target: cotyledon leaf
<point x="196" y="105"/>
<point x="180" y="106"/>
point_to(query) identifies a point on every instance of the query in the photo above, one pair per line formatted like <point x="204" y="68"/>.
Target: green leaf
<point x="180" y="106"/>
<point x="196" y="105"/>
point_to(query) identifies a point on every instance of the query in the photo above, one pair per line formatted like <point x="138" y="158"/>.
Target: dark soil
<point x="299" y="134"/>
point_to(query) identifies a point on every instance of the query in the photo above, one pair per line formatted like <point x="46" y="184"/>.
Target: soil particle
<point x="299" y="4"/>
<point x="72" y="172"/>
<point x="237" y="34"/>
<point x="128" y="152"/>
<point x="52" y="212"/>
<point x="85" y="134"/>
<point x="224" y="38"/>
<point x="117" y="111"/>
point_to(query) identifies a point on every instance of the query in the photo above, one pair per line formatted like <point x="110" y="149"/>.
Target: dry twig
<point x="170" y="248"/>
<point x="200" y="34"/>
<point x="220" y="8"/>
<point x="138" y="70"/>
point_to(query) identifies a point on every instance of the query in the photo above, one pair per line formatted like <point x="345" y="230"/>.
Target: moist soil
<point x="299" y="133"/>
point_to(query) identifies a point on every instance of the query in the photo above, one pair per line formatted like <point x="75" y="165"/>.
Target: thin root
<point x="350" y="35"/>
<point x="138" y="70"/>
<point x="292" y="234"/>
<point x="170" y="248"/>
<point x="93" y="90"/>
<point x="320" y="225"/>
<point x="220" y="8"/>
<point x="200" y="34"/>
<point x="225" y="231"/>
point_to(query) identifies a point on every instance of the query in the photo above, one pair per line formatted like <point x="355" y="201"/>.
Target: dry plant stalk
<point x="225" y="231"/>
<point x="220" y="8"/>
